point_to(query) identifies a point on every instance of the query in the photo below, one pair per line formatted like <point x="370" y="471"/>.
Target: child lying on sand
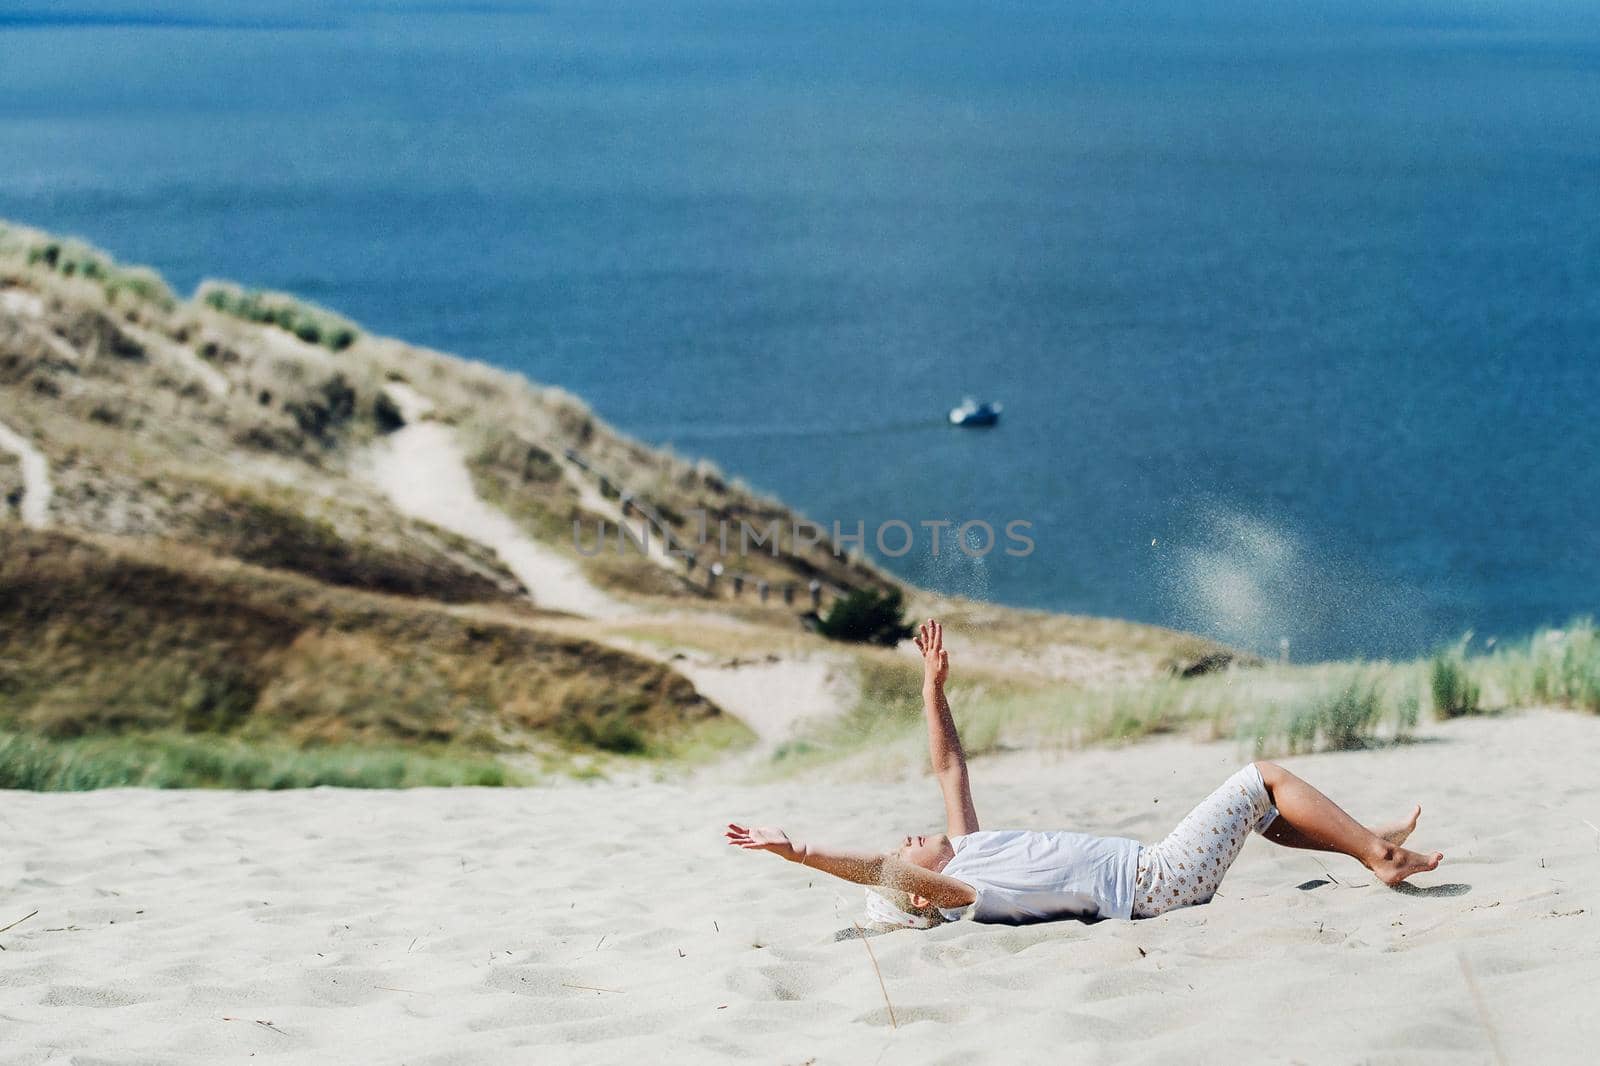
<point x="1017" y="876"/>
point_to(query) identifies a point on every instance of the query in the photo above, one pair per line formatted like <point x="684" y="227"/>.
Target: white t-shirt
<point x="1024" y="875"/>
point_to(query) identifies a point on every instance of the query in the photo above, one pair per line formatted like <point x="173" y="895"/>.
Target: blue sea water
<point x="1292" y="307"/>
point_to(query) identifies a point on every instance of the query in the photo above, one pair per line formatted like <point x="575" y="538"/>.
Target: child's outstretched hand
<point x="935" y="660"/>
<point x="767" y="838"/>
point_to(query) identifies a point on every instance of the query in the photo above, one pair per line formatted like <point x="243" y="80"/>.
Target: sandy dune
<point x="775" y="698"/>
<point x="608" y="923"/>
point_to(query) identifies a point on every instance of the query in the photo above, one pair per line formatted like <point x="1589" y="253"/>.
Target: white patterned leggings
<point x="1186" y="867"/>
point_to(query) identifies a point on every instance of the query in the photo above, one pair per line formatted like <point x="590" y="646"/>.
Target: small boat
<point x="973" y="413"/>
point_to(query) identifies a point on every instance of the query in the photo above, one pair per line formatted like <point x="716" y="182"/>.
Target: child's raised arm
<point x="944" y="743"/>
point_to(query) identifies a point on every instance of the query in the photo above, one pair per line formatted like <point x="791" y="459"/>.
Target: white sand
<point x="776" y="697"/>
<point x="774" y="692"/>
<point x="435" y="927"/>
<point x="36" y="488"/>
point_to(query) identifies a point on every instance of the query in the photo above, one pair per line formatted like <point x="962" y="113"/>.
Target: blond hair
<point x="894" y="907"/>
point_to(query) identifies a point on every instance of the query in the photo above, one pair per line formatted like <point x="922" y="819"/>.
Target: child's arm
<point x="944" y="743"/>
<point x="862" y="867"/>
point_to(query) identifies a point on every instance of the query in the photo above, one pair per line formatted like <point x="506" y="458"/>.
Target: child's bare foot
<point x="1398" y="863"/>
<point x="1397" y="832"/>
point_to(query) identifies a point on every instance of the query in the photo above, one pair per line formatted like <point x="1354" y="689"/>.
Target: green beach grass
<point x="183" y="761"/>
<point x="77" y="259"/>
<point x="312" y="324"/>
<point x="1270" y="710"/>
<point x="1554" y="668"/>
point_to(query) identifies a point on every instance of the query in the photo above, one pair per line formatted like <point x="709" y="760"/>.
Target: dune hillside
<point x="239" y="515"/>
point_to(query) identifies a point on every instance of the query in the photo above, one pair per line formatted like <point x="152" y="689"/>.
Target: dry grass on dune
<point x="534" y="485"/>
<point x="340" y="543"/>
<point x="108" y="638"/>
<point x="341" y="539"/>
<point x="11" y="484"/>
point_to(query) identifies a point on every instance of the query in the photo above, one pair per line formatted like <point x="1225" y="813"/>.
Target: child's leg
<point x="1282" y="833"/>
<point x="1319" y="821"/>
<point x="1186" y="867"/>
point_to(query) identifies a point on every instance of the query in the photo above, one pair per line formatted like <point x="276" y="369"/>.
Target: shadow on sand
<point x="1405" y="888"/>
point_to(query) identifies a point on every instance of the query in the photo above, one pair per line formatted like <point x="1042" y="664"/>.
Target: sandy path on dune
<point x="422" y="469"/>
<point x="36" y="488"/>
<point x="774" y="698"/>
<point x="608" y="923"/>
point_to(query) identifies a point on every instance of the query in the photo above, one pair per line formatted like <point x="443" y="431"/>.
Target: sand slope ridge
<point x="608" y="923"/>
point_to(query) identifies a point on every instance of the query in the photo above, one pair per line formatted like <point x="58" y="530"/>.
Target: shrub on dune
<point x="866" y="616"/>
<point x="308" y="322"/>
<point x="76" y="259"/>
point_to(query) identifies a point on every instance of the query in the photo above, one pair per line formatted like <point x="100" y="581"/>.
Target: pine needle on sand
<point x="883" y="987"/>
<point x="19" y="921"/>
